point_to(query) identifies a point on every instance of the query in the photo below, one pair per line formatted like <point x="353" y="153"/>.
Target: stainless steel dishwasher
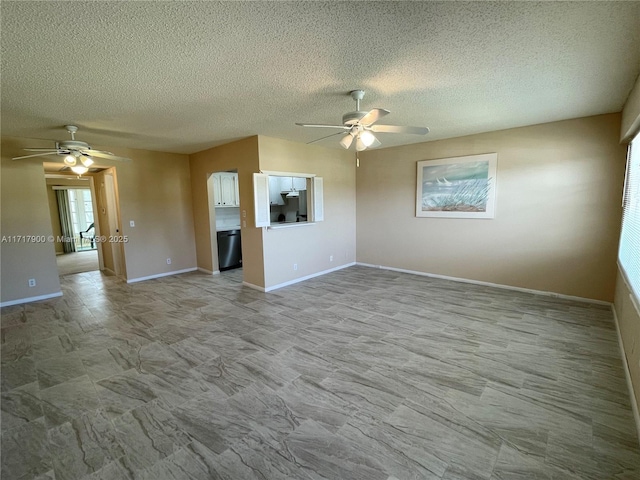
<point x="229" y="250"/>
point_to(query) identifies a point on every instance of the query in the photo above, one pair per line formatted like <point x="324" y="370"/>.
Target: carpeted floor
<point x="77" y="262"/>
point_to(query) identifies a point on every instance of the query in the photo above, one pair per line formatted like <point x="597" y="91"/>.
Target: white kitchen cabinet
<point x="299" y="183"/>
<point x="225" y="189"/>
<point x="292" y="183"/>
<point x="275" y="187"/>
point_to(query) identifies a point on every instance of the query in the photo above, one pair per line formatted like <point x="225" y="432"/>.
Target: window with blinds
<point x="629" y="253"/>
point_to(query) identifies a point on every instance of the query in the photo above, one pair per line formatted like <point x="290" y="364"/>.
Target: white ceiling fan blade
<point x="373" y="116"/>
<point x="107" y="155"/>
<point x="322" y="138"/>
<point x="347" y="141"/>
<point x="39" y="149"/>
<point x="41" y="154"/>
<point x="323" y="125"/>
<point x="399" y="129"/>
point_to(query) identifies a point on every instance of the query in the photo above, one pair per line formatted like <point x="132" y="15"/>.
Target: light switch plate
<point x="132" y="223"/>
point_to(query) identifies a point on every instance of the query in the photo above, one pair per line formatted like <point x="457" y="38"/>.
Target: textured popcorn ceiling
<point x="185" y="76"/>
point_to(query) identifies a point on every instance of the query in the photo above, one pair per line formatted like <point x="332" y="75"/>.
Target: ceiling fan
<point x="359" y="126"/>
<point x="77" y="155"/>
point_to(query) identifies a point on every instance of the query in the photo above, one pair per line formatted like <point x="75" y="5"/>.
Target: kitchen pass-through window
<point x="287" y="199"/>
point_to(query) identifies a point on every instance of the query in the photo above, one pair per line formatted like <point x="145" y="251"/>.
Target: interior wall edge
<point x="489" y="284"/>
<point x="254" y="286"/>
<point x="208" y="272"/>
<point x="627" y="317"/>
<point x="627" y="374"/>
<point x="308" y="277"/>
<point x="631" y="114"/>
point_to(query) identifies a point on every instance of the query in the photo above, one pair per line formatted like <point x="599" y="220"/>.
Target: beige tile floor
<point x="359" y="374"/>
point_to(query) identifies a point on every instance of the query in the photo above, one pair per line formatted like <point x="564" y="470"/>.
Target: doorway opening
<point x="109" y="223"/>
<point x="72" y="213"/>
<point x="225" y="222"/>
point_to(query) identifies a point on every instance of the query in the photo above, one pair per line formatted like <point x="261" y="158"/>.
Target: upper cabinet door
<point x="235" y="182"/>
<point x="228" y="190"/>
<point x="225" y="191"/>
<point x="299" y="183"/>
<point x="217" y="191"/>
<point x="275" y="198"/>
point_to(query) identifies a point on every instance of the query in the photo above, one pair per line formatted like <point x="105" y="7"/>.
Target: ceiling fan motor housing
<point x="352" y="118"/>
<point x="73" y="145"/>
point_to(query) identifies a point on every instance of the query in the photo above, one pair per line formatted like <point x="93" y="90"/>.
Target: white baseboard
<point x="297" y="280"/>
<point x="209" y="272"/>
<point x="8" y="303"/>
<point x="255" y="287"/>
<point x="489" y="284"/>
<point x="627" y="374"/>
<point x="307" y="277"/>
<point x="159" y="275"/>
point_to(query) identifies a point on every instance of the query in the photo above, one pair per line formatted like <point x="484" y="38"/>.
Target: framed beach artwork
<point x="457" y="187"/>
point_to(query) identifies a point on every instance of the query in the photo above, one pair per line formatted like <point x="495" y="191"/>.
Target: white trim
<point x="255" y="287"/>
<point x="307" y="277"/>
<point x="204" y="270"/>
<point x="278" y="226"/>
<point x="30" y="299"/>
<point x="159" y="275"/>
<point x="489" y="284"/>
<point x="627" y="374"/>
<point x="287" y="174"/>
<point x="73" y="187"/>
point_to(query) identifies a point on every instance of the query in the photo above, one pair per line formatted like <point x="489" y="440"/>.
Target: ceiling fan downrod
<point x="357" y="95"/>
<point x="72" y="129"/>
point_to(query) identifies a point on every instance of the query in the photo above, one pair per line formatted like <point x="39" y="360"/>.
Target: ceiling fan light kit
<point x="73" y="151"/>
<point x="79" y="169"/>
<point x="359" y="125"/>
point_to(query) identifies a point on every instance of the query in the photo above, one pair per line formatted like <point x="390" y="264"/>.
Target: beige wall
<point x="311" y="246"/>
<point x="242" y="156"/>
<point x="155" y="192"/>
<point x="557" y="222"/>
<point x="25" y="211"/>
<point x="629" y="324"/>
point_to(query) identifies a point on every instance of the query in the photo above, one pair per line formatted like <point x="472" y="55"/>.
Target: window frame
<point x="630" y="233"/>
<point x="315" y="198"/>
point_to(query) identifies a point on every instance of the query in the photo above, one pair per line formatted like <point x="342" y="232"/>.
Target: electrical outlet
<point x="32" y="282"/>
<point x="295" y="266"/>
<point x="331" y="258"/>
<point x="168" y="261"/>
